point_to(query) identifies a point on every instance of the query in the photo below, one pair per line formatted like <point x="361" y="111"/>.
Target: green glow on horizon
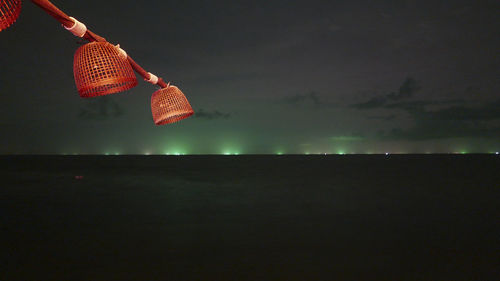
<point x="230" y="151"/>
<point x="279" y="150"/>
<point x="229" y="147"/>
<point x="319" y="149"/>
<point x="346" y="138"/>
<point x="175" y="150"/>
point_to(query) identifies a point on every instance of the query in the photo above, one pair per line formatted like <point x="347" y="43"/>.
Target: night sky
<point x="263" y="77"/>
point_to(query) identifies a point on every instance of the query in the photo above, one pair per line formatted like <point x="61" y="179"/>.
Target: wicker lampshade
<point x="169" y="105"/>
<point x="100" y="69"/>
<point x="9" y="12"/>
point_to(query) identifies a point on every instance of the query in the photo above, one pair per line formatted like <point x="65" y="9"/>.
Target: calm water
<point x="421" y="217"/>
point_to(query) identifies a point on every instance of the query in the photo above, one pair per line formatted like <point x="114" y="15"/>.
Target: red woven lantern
<point x="169" y="105"/>
<point x="100" y="69"/>
<point x="9" y="12"/>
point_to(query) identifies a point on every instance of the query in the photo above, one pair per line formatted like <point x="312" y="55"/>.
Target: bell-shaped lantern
<point x="101" y="69"/>
<point x="169" y="105"/>
<point x="9" y="12"/>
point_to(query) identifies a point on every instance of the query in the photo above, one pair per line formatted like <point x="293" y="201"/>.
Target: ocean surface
<point x="352" y="217"/>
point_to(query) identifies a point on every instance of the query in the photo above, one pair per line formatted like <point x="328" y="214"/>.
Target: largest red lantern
<point x="9" y="12"/>
<point x="101" y="69"/>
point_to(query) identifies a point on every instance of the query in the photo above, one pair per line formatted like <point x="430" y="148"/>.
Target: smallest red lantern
<point x="9" y="12"/>
<point x="169" y="105"/>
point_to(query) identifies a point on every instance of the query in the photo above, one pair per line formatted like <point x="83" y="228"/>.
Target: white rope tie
<point x="78" y="29"/>
<point x="153" y="79"/>
<point x="121" y="51"/>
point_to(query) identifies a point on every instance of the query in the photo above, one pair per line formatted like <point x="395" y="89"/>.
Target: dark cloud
<point x="100" y="108"/>
<point x="435" y="119"/>
<point x="414" y="106"/>
<point x="453" y="110"/>
<point x="444" y="129"/>
<point x="409" y="87"/>
<point x="385" y="117"/>
<point x="310" y="98"/>
<point x="490" y="111"/>
<point x="211" y="115"/>
<point x="375" y="102"/>
<point x="420" y="108"/>
<point x="459" y="119"/>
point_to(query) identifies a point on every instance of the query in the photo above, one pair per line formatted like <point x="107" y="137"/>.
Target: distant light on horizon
<point x="230" y="151"/>
<point x="235" y="151"/>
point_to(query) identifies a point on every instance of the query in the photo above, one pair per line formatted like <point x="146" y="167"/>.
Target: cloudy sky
<point x="262" y="77"/>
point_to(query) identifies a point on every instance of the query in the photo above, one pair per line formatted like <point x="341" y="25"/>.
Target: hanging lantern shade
<point x="169" y="105"/>
<point x="9" y="12"/>
<point x="100" y="69"/>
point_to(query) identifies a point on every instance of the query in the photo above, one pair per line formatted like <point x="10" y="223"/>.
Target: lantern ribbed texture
<point x="9" y="12"/>
<point x="100" y="69"/>
<point x="169" y="105"/>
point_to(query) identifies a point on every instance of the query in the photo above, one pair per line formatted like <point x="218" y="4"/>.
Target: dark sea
<point x="352" y="217"/>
